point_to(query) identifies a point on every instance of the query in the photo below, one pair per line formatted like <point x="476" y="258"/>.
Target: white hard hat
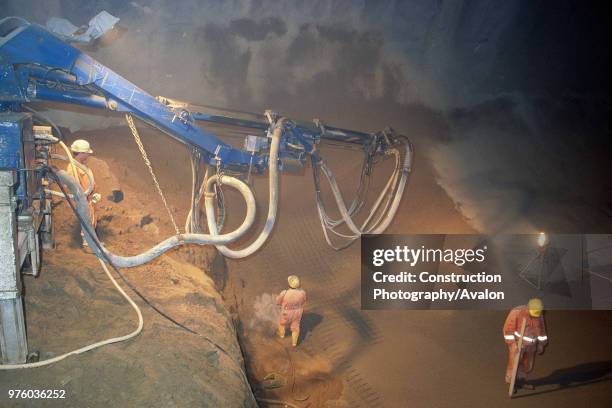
<point x="81" y="146"/>
<point x="294" y="282"/>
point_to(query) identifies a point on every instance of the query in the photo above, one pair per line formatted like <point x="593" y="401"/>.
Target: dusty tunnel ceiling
<point x="442" y="54"/>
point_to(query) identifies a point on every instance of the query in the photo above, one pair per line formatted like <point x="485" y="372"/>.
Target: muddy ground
<point x="346" y="358"/>
<point x="72" y="304"/>
<point x="397" y="358"/>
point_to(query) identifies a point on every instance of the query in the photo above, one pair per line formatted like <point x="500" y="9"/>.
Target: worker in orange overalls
<point x="534" y="338"/>
<point x="81" y="150"/>
<point x="292" y="307"/>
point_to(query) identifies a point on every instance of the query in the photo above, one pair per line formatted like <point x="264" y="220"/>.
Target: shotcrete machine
<point x="36" y="66"/>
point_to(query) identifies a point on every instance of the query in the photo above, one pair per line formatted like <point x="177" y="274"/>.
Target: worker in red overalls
<point x="534" y="338"/>
<point x="292" y="307"/>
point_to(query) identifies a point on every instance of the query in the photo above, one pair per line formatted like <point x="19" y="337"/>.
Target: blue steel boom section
<point x="35" y="65"/>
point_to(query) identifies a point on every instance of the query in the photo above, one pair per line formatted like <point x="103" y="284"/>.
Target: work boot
<point x="522" y="383"/>
<point x="294" y="338"/>
<point x="281" y="332"/>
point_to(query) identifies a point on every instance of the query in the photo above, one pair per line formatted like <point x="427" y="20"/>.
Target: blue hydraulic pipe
<point x="66" y="96"/>
<point x="36" y="65"/>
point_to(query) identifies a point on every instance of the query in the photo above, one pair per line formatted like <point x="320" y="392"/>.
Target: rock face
<point x="73" y="304"/>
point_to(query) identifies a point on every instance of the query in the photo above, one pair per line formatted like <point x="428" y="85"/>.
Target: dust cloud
<point x="502" y="98"/>
<point x="265" y="312"/>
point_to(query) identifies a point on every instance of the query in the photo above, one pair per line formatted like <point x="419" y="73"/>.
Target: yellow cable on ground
<point x="91" y="346"/>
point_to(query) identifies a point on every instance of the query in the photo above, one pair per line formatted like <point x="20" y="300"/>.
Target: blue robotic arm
<point x="35" y="65"/>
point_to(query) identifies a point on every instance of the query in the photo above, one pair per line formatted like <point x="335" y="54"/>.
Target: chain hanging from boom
<point x="145" y="157"/>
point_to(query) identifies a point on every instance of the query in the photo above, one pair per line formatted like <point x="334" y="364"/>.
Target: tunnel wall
<point x="442" y="54"/>
<point x="473" y="79"/>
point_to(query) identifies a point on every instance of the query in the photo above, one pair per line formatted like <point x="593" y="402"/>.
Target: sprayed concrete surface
<point x="394" y="358"/>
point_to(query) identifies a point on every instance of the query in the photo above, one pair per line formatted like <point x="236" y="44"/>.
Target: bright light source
<point x="542" y="239"/>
